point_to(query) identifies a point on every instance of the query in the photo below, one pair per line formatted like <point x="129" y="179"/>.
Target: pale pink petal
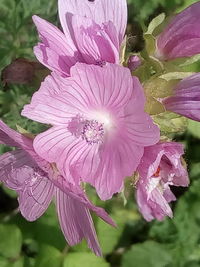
<point x="106" y="87"/>
<point x="100" y="11"/>
<point x="137" y="126"/>
<point x="89" y="87"/>
<point x="116" y="163"/>
<point x="162" y="207"/>
<point x="57" y="101"/>
<point x="60" y="146"/>
<point x="76" y="222"/>
<point x="56" y="51"/>
<point x="93" y="42"/>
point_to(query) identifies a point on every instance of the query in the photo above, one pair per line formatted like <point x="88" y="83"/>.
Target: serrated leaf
<point x="77" y="259"/>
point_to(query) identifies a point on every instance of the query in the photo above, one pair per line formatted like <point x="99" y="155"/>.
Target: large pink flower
<point x="37" y="182"/>
<point x="160" y="167"/>
<point x="93" y="33"/>
<point x="181" y="37"/>
<point x="99" y="128"/>
<point x="186" y="98"/>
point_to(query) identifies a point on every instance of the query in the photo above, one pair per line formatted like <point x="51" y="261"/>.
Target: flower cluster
<point x="104" y="111"/>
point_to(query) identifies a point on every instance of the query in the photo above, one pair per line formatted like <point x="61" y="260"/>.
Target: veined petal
<point x="76" y="222"/>
<point x="186" y="98"/>
<point x="57" y="51"/>
<point x="60" y="146"/>
<point x="141" y="130"/>
<point x="181" y="36"/>
<point x="56" y="102"/>
<point x="12" y="138"/>
<point x="36" y="196"/>
<point x="89" y="88"/>
<point x="107" y="87"/>
<point x="139" y="127"/>
<point x="100" y="11"/>
<point x="117" y="161"/>
<point x="18" y="172"/>
<point x="76" y="193"/>
<point x="93" y="42"/>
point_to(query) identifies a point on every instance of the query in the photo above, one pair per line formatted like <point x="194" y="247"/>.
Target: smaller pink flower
<point x="159" y="168"/>
<point x="37" y="182"/>
<point x="186" y="98"/>
<point x="181" y="37"/>
<point x="93" y="33"/>
<point x="99" y="127"/>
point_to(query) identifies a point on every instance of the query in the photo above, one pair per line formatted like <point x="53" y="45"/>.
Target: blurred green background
<point x="135" y="243"/>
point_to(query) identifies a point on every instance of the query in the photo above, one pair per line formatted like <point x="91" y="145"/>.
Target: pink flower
<point x="181" y="37"/>
<point x="93" y="33"/>
<point x="37" y="183"/>
<point x="160" y="167"/>
<point x="186" y="98"/>
<point x="99" y="128"/>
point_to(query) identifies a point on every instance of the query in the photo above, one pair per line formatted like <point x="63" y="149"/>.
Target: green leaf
<point x="11" y="241"/>
<point x="12" y="263"/>
<point x="48" y="257"/>
<point x="155" y="23"/>
<point x="108" y="236"/>
<point x="149" y="253"/>
<point x="175" y="75"/>
<point x="194" y="128"/>
<point x="78" y="259"/>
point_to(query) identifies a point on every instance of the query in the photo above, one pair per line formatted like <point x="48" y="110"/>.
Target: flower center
<point x="92" y="132"/>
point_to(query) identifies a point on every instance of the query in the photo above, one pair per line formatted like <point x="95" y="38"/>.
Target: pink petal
<point x="60" y="146"/>
<point x="100" y="11"/>
<point x="117" y="161"/>
<point x="89" y="87"/>
<point x="186" y="99"/>
<point x="56" y="51"/>
<point x="107" y="87"/>
<point x="57" y="101"/>
<point x="12" y="138"/>
<point x="18" y="172"/>
<point x="76" y="222"/>
<point x="93" y="42"/>
<point x="76" y="193"/>
<point x="181" y="37"/>
<point x="35" y="199"/>
<point x="139" y="126"/>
